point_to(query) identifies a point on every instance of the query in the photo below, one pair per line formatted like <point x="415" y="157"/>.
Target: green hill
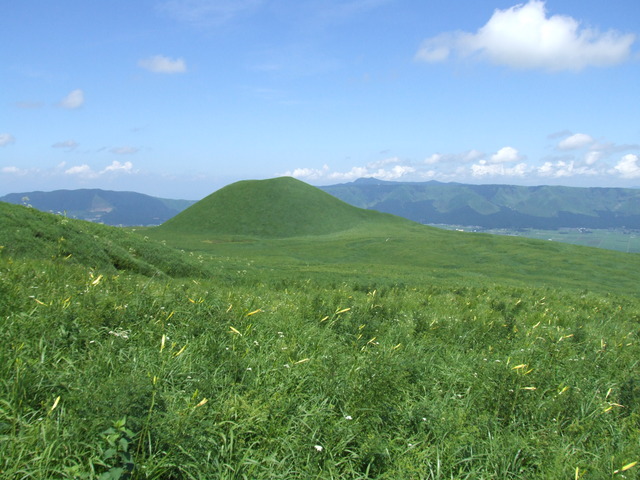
<point x="274" y="208"/>
<point x="29" y="233"/>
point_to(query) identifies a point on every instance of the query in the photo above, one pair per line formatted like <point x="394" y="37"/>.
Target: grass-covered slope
<point x="274" y="208"/>
<point x="28" y="233"/>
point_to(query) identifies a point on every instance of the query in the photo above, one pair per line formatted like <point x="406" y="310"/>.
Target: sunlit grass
<point x="306" y="379"/>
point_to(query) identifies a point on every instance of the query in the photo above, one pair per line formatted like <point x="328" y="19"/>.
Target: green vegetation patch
<point x="29" y="233"/>
<point x="275" y="208"/>
<point x="121" y="375"/>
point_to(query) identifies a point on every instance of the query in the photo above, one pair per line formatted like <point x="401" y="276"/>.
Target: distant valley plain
<point x="620" y="239"/>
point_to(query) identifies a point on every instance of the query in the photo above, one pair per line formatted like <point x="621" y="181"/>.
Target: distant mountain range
<point x="496" y="206"/>
<point x="103" y="206"/>
<point x="485" y="206"/>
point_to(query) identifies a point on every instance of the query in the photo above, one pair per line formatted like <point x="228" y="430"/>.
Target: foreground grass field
<point x="106" y="374"/>
<point x="383" y="350"/>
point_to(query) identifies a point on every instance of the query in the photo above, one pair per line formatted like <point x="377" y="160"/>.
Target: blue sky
<point x="177" y="98"/>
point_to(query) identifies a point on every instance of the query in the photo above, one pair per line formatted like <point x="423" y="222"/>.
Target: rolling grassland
<point x="358" y="346"/>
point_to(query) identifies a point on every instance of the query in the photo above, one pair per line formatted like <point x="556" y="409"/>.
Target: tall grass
<point x="106" y="375"/>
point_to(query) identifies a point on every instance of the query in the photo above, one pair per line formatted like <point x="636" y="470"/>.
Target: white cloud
<point x="124" y="150"/>
<point x="628" y="166"/>
<point x="523" y="37"/>
<point x="84" y="171"/>
<point x="325" y="173"/>
<point x="162" y="64"/>
<point x="68" y="144"/>
<point x="379" y="169"/>
<point x="74" y="100"/>
<point x="309" y="173"/>
<point x="592" y="157"/>
<point x="575" y="142"/>
<point x="507" y="165"/>
<point x="116" y="166"/>
<point x="353" y="174"/>
<point x="485" y="169"/>
<point x="6" y="139"/>
<point x="433" y="159"/>
<point x="394" y="173"/>
<point x="384" y="162"/>
<point x="563" y="169"/>
<point x="505" y="155"/>
<point x="13" y="170"/>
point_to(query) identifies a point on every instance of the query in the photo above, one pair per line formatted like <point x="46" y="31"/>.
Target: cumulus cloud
<point x="67" y="144"/>
<point x="162" y="64"/>
<point x="6" y="139"/>
<point x="86" y="172"/>
<point x="506" y="165"/>
<point x="505" y="155"/>
<point x="394" y="173"/>
<point x="486" y="169"/>
<point x="82" y="171"/>
<point x="562" y="168"/>
<point x="116" y="166"/>
<point x="524" y="37"/>
<point x="387" y="169"/>
<point x="308" y="173"/>
<point x="628" y="166"/>
<point x="576" y="142"/>
<point x="74" y="100"/>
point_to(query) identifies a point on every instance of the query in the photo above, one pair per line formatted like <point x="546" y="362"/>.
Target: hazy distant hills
<point x="486" y="206"/>
<point x="496" y="206"/>
<point x="102" y="206"/>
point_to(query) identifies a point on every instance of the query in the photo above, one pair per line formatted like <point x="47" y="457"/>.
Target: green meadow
<point x="272" y="331"/>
